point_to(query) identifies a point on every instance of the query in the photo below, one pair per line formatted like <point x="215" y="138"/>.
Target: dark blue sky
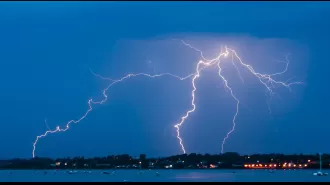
<point x="46" y="46"/>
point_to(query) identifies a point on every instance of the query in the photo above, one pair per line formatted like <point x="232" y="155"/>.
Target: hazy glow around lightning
<point x="265" y="79"/>
<point x="228" y="55"/>
<point x="91" y="102"/>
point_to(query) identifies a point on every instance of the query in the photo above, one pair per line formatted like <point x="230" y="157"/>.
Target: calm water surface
<point x="165" y="176"/>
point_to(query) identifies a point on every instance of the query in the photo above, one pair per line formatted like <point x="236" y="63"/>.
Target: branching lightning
<point x="105" y="98"/>
<point x="265" y="79"/>
<point x="47" y="124"/>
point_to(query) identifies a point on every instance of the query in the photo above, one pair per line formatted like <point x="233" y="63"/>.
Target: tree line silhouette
<point x="218" y="161"/>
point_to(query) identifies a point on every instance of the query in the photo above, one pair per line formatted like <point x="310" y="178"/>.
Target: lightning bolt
<point x="265" y="79"/>
<point x="105" y="98"/>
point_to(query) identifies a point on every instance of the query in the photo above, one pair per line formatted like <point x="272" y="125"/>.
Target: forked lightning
<point x="265" y="79"/>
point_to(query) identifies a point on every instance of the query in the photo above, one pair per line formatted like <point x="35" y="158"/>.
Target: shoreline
<point x="122" y="169"/>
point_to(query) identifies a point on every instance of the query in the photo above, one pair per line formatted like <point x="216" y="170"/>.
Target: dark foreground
<point x="229" y="160"/>
<point x="164" y="176"/>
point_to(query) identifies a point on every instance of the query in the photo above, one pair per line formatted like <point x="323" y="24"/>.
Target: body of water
<point x="164" y="176"/>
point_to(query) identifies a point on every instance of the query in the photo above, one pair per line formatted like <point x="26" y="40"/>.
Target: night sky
<point x="47" y="48"/>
